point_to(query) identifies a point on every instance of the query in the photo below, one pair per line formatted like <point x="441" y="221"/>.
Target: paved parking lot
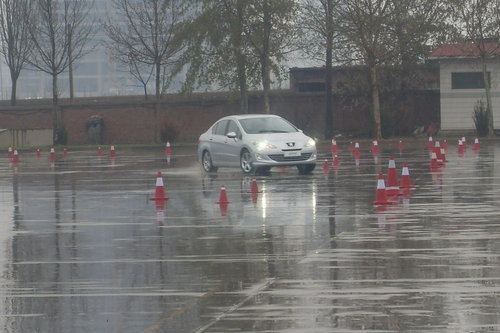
<point x="83" y="249"/>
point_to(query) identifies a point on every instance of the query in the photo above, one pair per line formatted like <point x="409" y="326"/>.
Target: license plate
<point x="293" y="153"/>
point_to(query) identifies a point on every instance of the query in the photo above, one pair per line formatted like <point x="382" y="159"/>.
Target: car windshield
<point x="267" y="125"/>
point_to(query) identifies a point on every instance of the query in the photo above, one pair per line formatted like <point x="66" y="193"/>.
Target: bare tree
<point x="218" y="50"/>
<point x="80" y="28"/>
<point x="365" y="27"/>
<point x="479" y="22"/>
<point x="318" y="22"/>
<point x="271" y="32"/>
<point x="151" y="33"/>
<point x="14" y="38"/>
<point x="56" y="33"/>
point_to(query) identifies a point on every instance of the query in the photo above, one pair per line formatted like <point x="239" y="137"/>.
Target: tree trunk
<point x="55" y="110"/>
<point x="157" y="104"/>
<point x="328" y="72"/>
<point x="241" y="60"/>
<point x="487" y="90"/>
<point x="70" y="70"/>
<point x="266" y="84"/>
<point x="377" y="132"/>
<point x="13" y="92"/>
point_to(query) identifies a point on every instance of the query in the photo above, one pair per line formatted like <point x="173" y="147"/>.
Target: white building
<point x="461" y="84"/>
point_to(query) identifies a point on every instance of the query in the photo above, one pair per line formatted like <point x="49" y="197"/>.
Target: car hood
<point x="281" y="140"/>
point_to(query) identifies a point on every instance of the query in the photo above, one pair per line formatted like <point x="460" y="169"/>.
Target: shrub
<point x="480" y="117"/>
<point x="168" y="131"/>
<point x="61" y="136"/>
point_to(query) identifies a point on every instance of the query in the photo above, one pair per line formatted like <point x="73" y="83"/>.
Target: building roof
<point x="463" y="50"/>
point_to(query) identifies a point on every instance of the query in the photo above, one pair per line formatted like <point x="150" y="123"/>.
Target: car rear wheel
<point x="206" y="162"/>
<point x="305" y="169"/>
<point x="246" y="162"/>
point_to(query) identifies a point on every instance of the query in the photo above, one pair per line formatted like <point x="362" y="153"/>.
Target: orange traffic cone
<point x="38" y="153"/>
<point x="434" y="163"/>
<point x="430" y="144"/>
<point x="334" y="149"/>
<point x="375" y="149"/>
<point x="392" y="178"/>
<point x="253" y="187"/>
<point x="65" y="152"/>
<point x="460" y="147"/>
<point x="223" y="196"/>
<point x="381" y="197"/>
<point x="99" y="151"/>
<point x="439" y="154"/>
<point x="10" y="154"/>
<point x="52" y="155"/>
<point x="400" y="146"/>
<point x="445" y="144"/>
<point x="477" y="146"/>
<point x="112" y="152"/>
<point x="357" y="151"/>
<point x="336" y="162"/>
<point x="168" y="149"/>
<point x="159" y="191"/>
<point x="326" y="167"/>
<point x="405" y="177"/>
<point x="464" y="142"/>
<point x="15" y="157"/>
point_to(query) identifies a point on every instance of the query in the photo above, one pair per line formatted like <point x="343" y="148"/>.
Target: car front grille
<point x="282" y="158"/>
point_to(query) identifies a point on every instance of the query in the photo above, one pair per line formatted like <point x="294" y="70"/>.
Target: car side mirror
<point x="231" y="135"/>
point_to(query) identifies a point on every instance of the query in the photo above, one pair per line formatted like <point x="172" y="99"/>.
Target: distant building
<point x="312" y="79"/>
<point x="462" y="85"/>
<point x="95" y="74"/>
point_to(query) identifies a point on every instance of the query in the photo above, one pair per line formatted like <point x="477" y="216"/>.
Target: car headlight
<point x="263" y="145"/>
<point x="310" y="143"/>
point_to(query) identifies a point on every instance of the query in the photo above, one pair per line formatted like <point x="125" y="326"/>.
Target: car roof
<point x="251" y="115"/>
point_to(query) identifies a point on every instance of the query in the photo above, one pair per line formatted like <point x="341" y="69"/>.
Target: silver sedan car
<point x="256" y="143"/>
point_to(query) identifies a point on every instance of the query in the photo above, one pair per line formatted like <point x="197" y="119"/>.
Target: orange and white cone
<point x="477" y="146"/>
<point x="434" y="163"/>
<point x="392" y="178"/>
<point x="15" y="157"/>
<point x="253" y="187"/>
<point x="99" y="151"/>
<point x="405" y="177"/>
<point x="223" y="196"/>
<point x="439" y="154"/>
<point x="336" y="162"/>
<point x="159" y="190"/>
<point x="168" y="149"/>
<point x="381" y="196"/>
<point x="38" y="153"/>
<point x="112" y="152"/>
<point x="430" y="144"/>
<point x="65" y="152"/>
<point x="375" y="149"/>
<point x="464" y="142"/>
<point x="445" y="144"/>
<point x="400" y="146"/>
<point x="326" y="167"/>
<point x="334" y="149"/>
<point x="10" y="153"/>
<point x="357" y="151"/>
<point x="460" y="147"/>
<point x="52" y="155"/>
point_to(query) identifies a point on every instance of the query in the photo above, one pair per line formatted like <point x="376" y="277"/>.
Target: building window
<point x="310" y="86"/>
<point x="468" y="80"/>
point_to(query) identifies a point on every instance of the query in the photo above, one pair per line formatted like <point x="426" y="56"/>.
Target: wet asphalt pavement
<point x="82" y="249"/>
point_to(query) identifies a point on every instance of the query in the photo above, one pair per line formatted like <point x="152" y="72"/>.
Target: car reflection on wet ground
<point x="83" y="249"/>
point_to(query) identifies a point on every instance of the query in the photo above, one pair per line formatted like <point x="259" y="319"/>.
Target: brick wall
<point x="131" y="119"/>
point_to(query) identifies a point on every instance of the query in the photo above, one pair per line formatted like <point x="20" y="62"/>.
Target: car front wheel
<point x="305" y="169"/>
<point x="206" y="162"/>
<point x="246" y="162"/>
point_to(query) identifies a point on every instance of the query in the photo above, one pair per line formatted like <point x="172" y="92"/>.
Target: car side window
<point x="232" y="127"/>
<point x="220" y="128"/>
